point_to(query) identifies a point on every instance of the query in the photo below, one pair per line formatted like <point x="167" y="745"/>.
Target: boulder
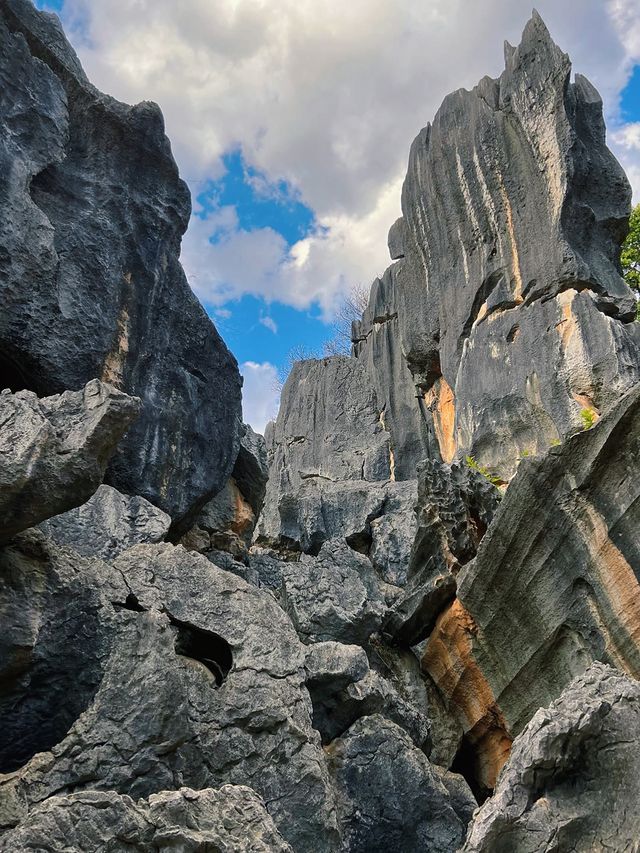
<point x="108" y="524"/>
<point x="54" y="451"/>
<point x="388" y="796"/>
<point x="572" y="780"/>
<point x="230" y="818"/>
<point x="334" y="596"/>
<point x="161" y="671"/>
<point x="554" y="587"/>
<point x="90" y="226"/>
<point x="343" y="689"/>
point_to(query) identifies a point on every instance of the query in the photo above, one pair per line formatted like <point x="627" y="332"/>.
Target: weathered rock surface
<point x="554" y="586"/>
<point x="377" y="343"/>
<point x="108" y="524"/>
<point x="334" y="596"/>
<point x="336" y="478"/>
<point x="343" y="689"/>
<point x="506" y="301"/>
<point x="388" y="796"/>
<point x="91" y="219"/>
<point x="54" y="451"/>
<point x="455" y="506"/>
<point x="231" y="818"/>
<point x="228" y="520"/>
<point x="572" y="782"/>
<point x="186" y="676"/>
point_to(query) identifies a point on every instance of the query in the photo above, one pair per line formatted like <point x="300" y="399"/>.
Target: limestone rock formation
<point x="178" y="682"/>
<point x="54" y="451"/>
<point x="358" y="655"/>
<point x="230" y="818"/>
<point x="108" y="524"/>
<point x="388" y="796"/>
<point x="228" y="520"/>
<point x="572" y="782"/>
<point x="90" y="226"/>
<point x="338" y="479"/>
<point x="343" y="689"/>
<point x="554" y="586"/>
<point x="455" y="506"/>
<point x="334" y="596"/>
<point x="512" y="316"/>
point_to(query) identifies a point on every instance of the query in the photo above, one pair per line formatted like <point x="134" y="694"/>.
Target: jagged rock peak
<point x="512" y="315"/>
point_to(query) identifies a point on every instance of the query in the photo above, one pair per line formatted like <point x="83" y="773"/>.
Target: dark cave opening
<point x="15" y="376"/>
<point x="466" y="764"/>
<point x="209" y="648"/>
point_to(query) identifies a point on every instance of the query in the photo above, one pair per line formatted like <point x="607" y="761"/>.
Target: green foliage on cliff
<point x="630" y="257"/>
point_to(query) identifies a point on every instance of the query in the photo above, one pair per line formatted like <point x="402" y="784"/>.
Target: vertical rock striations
<point x="91" y="216"/>
<point x="511" y="312"/>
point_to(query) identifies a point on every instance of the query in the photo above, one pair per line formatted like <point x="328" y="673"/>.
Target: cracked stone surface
<point x="108" y="524"/>
<point x="334" y="596"/>
<point x="388" y="796"/>
<point x="184" y="686"/>
<point x="232" y="818"/>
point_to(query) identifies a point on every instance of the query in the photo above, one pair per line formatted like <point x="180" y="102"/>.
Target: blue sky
<point x="293" y="132"/>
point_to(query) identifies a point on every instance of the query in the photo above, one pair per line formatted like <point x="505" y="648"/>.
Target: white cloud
<point x="326" y="96"/>
<point x="260" y="396"/>
<point x="626" y="142"/>
<point x="269" y="323"/>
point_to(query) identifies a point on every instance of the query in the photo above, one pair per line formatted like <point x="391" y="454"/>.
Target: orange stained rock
<point x="567" y="325"/>
<point x="448" y="658"/>
<point x="113" y="367"/>
<point x="442" y="403"/>
<point x="243" y="517"/>
<point x="617" y="590"/>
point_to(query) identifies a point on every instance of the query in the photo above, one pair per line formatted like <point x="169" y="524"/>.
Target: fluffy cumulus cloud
<point x="260" y="393"/>
<point x="327" y="97"/>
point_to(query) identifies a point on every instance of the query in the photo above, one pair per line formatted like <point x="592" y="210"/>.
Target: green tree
<point x="630" y="257"/>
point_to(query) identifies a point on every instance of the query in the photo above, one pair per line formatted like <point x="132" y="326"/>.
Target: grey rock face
<point x="91" y="219"/>
<point x="456" y="505"/>
<point x="228" y="520"/>
<point x="194" y="679"/>
<point x="230" y="818"/>
<point x="334" y="596"/>
<point x="388" y="796"/>
<point x="571" y="783"/>
<point x="108" y="524"/>
<point x="554" y="586"/>
<point x="513" y="315"/>
<point x="343" y="689"/>
<point x="377" y="343"/>
<point x="54" y="451"/>
<point x="332" y="468"/>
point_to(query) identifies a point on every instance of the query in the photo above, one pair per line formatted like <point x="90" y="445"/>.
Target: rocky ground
<point x="408" y="619"/>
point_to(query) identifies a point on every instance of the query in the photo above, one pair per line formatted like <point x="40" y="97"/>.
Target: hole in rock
<point x="466" y="763"/>
<point x="205" y="646"/>
<point x="14" y="375"/>
<point x="360" y="542"/>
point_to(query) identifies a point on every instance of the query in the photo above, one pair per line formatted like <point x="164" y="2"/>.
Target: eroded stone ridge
<point x="554" y="586"/>
<point x="91" y="219"/>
